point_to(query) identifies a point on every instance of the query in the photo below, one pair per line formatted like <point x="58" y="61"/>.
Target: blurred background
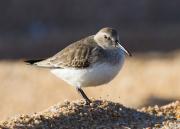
<point x="40" y="28"/>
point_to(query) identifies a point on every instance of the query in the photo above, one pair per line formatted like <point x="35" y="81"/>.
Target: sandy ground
<point x="99" y="114"/>
<point x="144" y="80"/>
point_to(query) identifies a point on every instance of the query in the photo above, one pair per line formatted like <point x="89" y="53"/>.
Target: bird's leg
<point x="81" y="92"/>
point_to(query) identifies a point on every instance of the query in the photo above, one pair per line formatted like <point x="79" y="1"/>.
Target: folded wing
<point x="81" y="54"/>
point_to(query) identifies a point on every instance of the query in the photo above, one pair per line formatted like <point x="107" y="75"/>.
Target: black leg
<point x="81" y="92"/>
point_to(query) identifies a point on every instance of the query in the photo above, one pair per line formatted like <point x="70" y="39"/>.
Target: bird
<point x="90" y="61"/>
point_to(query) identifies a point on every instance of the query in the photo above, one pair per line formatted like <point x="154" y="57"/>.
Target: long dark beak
<point x="122" y="48"/>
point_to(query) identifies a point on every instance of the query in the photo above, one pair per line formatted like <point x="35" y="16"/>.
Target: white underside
<point x="94" y="76"/>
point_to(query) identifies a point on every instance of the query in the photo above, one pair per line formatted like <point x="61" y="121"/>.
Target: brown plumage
<point x="85" y="52"/>
<point x="80" y="54"/>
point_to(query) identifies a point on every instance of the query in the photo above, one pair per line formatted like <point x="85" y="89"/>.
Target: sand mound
<point x="100" y="114"/>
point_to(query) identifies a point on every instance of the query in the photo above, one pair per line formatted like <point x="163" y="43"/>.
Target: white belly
<point x="94" y="76"/>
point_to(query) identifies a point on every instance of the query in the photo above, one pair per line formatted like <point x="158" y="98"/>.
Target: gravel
<point x="100" y="114"/>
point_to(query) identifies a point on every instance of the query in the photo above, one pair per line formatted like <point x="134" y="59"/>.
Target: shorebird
<point x="91" y="61"/>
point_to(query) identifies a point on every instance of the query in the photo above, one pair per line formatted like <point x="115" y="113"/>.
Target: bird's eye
<point x="108" y="38"/>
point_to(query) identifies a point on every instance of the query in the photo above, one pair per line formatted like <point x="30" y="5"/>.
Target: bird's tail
<point x="31" y="62"/>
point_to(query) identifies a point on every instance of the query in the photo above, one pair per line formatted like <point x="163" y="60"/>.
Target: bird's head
<point x="108" y="38"/>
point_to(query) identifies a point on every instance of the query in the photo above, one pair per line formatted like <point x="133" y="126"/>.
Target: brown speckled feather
<point x="80" y="54"/>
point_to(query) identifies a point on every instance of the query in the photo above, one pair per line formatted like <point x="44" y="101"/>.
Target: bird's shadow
<point x="154" y="100"/>
<point x="100" y="114"/>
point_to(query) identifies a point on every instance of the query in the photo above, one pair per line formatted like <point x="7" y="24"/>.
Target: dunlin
<point x="91" y="61"/>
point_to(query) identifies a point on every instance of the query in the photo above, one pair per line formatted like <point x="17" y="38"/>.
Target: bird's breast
<point x="114" y="57"/>
<point x="98" y="74"/>
<point x="101" y="72"/>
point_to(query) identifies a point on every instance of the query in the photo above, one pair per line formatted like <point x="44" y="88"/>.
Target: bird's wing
<point x="80" y="54"/>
